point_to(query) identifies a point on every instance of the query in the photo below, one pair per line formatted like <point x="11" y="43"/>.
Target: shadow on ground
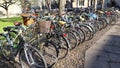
<point x="105" y="55"/>
<point x="8" y="64"/>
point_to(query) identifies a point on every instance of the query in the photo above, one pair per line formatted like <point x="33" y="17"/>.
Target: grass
<point x="8" y="22"/>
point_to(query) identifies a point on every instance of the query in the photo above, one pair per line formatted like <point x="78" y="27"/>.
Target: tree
<point x="61" y="6"/>
<point x="6" y="4"/>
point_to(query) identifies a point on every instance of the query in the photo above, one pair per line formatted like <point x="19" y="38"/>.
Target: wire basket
<point x="30" y="33"/>
<point x="44" y="26"/>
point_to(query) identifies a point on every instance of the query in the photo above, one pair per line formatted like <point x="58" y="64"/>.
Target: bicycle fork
<point x="28" y="55"/>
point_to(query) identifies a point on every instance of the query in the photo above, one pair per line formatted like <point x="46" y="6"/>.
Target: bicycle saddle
<point x="17" y="23"/>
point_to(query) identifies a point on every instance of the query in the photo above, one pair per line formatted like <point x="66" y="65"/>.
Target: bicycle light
<point x="64" y="35"/>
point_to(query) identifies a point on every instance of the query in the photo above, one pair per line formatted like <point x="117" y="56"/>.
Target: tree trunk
<point x="7" y="13"/>
<point x="61" y="5"/>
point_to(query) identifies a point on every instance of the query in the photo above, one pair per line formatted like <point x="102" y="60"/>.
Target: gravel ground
<point x="75" y="58"/>
<point x="8" y="64"/>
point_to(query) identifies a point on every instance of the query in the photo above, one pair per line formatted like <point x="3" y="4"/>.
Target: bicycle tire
<point x="96" y="27"/>
<point x="91" y="27"/>
<point x="92" y="31"/>
<point x="88" y="33"/>
<point x="81" y="33"/>
<point x="105" y="21"/>
<point x="78" y="36"/>
<point x="101" y="24"/>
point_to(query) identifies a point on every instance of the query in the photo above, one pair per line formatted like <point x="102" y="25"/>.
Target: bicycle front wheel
<point x="30" y="57"/>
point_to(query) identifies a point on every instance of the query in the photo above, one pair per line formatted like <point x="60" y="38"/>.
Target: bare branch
<point x="6" y="5"/>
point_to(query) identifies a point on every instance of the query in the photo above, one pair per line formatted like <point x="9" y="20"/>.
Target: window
<point x="81" y="2"/>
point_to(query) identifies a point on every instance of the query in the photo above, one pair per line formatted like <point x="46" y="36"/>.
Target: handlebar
<point x="8" y="28"/>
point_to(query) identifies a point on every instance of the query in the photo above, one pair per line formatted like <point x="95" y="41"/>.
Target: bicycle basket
<point x="45" y="26"/>
<point x="27" y="21"/>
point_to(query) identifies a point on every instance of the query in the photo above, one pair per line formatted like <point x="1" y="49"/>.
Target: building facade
<point x="87" y="3"/>
<point x="15" y="9"/>
<point x="94" y="3"/>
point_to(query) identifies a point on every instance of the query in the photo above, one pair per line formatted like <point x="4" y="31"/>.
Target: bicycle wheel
<point x="62" y="45"/>
<point x="91" y="27"/>
<point x="47" y="48"/>
<point x="114" y="19"/>
<point x="102" y="23"/>
<point x="78" y="36"/>
<point x="72" y="39"/>
<point x="30" y="57"/>
<point x="105" y="22"/>
<point x="81" y="33"/>
<point x="110" y="19"/>
<point x="4" y="47"/>
<point x="96" y="26"/>
<point x="88" y="33"/>
<point x="91" y="31"/>
<point x="49" y="51"/>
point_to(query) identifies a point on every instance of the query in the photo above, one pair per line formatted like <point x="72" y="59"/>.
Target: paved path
<point x="106" y="52"/>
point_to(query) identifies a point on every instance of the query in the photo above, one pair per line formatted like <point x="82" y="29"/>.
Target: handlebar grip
<point x="8" y="28"/>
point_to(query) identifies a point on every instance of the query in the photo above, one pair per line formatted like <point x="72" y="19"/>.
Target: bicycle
<point x="23" y="49"/>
